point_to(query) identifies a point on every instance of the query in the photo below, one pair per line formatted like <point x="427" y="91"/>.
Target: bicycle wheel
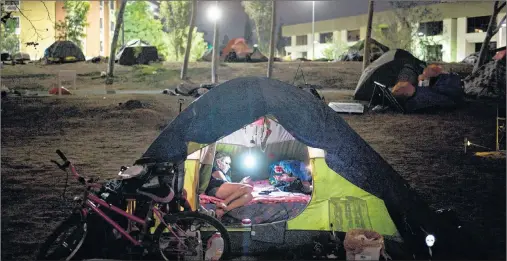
<point x="184" y="230"/>
<point x="65" y="241"/>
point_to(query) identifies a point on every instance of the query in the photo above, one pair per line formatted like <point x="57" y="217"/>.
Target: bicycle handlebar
<point x="67" y="164"/>
<point x="60" y="153"/>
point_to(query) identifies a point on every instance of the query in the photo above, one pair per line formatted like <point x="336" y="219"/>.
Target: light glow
<point x="214" y="13"/>
<point x="249" y="161"/>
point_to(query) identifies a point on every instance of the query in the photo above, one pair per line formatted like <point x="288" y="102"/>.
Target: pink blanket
<point x="274" y="197"/>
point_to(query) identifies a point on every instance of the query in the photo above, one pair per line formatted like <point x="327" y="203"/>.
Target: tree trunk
<point x="367" y="40"/>
<point x="193" y="14"/>
<point x="216" y="52"/>
<point x="114" y="42"/>
<point x="490" y="32"/>
<point x="272" y="40"/>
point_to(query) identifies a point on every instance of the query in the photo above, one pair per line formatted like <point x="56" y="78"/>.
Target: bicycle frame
<point x="93" y="202"/>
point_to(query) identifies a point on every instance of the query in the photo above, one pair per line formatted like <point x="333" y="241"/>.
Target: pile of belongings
<point x="489" y="81"/>
<point x="434" y="88"/>
<point x="185" y="90"/>
<point x="290" y="176"/>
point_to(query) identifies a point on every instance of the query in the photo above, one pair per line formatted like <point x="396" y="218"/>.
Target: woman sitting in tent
<point x="234" y="195"/>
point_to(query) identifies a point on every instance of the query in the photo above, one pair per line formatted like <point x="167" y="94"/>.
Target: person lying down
<point x="234" y="195"/>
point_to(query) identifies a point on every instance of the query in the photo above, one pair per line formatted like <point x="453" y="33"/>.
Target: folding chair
<point x="386" y="95"/>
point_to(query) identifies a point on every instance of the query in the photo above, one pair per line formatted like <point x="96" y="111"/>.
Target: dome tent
<point x="385" y="70"/>
<point x="356" y="51"/>
<point x="63" y="51"/>
<point x="136" y="52"/>
<point x="344" y="166"/>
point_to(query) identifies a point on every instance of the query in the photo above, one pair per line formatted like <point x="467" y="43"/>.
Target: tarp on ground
<point x="64" y="51"/>
<point x="356" y="51"/>
<point x="136" y="52"/>
<point x="386" y="71"/>
<point x="488" y="82"/>
<point x="231" y="106"/>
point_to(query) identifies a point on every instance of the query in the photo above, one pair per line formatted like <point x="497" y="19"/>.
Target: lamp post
<point x="214" y="14"/>
<point x="313" y="30"/>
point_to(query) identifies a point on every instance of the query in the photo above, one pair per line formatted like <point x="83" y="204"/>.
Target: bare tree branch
<point x="499" y="25"/>
<point x="35" y="30"/>
<point x="47" y="11"/>
<point x="500" y="7"/>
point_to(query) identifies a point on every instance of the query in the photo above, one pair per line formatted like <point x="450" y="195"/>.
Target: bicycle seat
<point x="132" y="172"/>
<point x="159" y="194"/>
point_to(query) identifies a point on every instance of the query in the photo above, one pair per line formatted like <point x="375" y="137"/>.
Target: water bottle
<point x="215" y="248"/>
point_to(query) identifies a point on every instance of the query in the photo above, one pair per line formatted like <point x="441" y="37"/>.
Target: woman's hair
<point x="221" y="154"/>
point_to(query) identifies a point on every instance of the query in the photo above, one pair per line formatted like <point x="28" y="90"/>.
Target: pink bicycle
<point x="118" y="220"/>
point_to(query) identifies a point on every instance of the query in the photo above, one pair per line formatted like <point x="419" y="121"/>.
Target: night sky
<point x="233" y="18"/>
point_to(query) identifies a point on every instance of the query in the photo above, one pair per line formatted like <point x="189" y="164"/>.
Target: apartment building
<point x="35" y="21"/>
<point x="458" y="31"/>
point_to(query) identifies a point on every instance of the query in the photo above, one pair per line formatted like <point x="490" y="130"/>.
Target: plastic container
<point x="215" y="248"/>
<point x="246" y="222"/>
<point x="361" y="244"/>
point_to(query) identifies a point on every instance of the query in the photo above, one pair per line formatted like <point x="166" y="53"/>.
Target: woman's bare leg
<point x="245" y="189"/>
<point x="231" y="191"/>
<point x="242" y="200"/>
<point x="238" y="194"/>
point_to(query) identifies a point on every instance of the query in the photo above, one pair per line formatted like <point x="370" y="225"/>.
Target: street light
<point x="214" y="15"/>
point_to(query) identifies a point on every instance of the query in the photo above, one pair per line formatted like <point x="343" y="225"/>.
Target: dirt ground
<point x="38" y="77"/>
<point x="99" y="136"/>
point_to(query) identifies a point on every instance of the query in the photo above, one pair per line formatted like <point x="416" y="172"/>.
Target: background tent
<point x="208" y="55"/>
<point x="356" y="51"/>
<point x="386" y="70"/>
<point x="64" y="51"/>
<point x="236" y="49"/>
<point x="257" y="56"/>
<point x="230" y="106"/>
<point x="137" y="52"/>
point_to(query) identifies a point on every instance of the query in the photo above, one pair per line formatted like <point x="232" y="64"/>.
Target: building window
<point x="111" y="5"/>
<point x="12" y="5"/>
<point x="431" y="28"/>
<point x="288" y="53"/>
<point x="301" y="40"/>
<point x="101" y="2"/>
<point x="101" y="46"/>
<point x="434" y="53"/>
<point x="305" y="54"/>
<point x="288" y="41"/>
<point x="326" y="37"/>
<point x="14" y="20"/>
<point x="101" y="21"/>
<point x="492" y="46"/>
<point x="353" y="35"/>
<point x="112" y="26"/>
<point x="477" y="24"/>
